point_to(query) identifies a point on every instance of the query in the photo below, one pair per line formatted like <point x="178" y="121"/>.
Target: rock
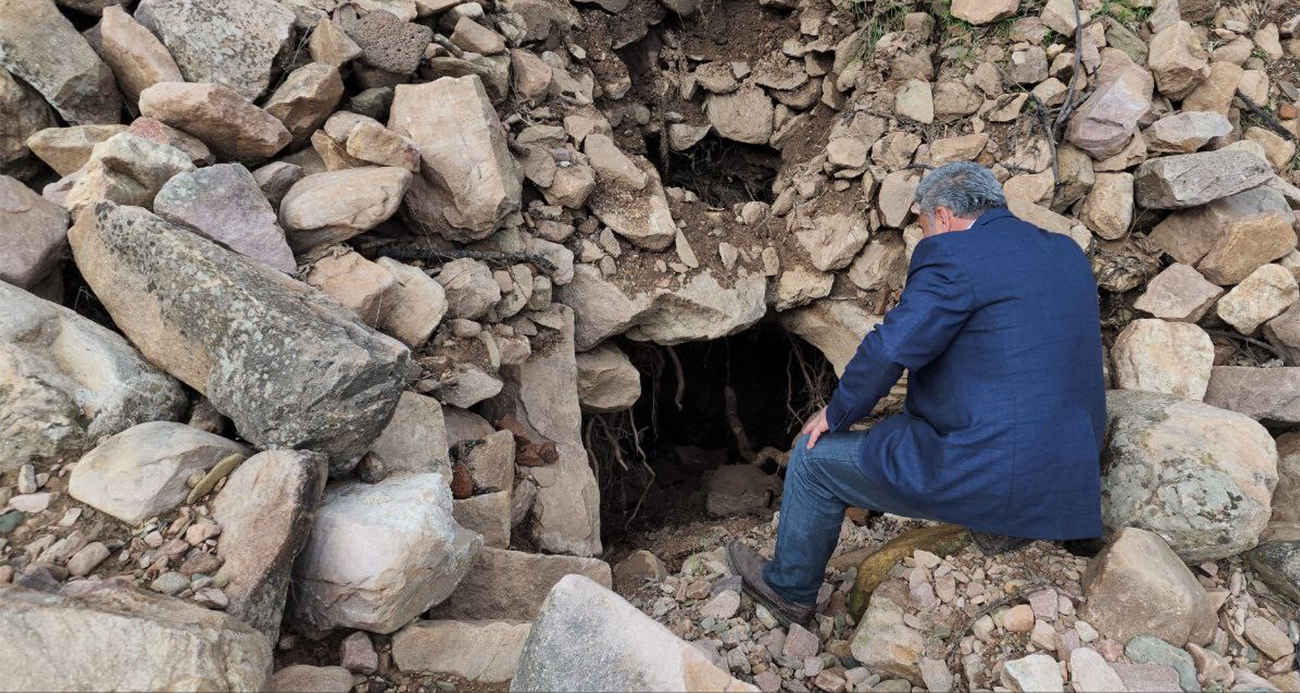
<point x="225" y="203"/>
<point x="470" y="288"/>
<point x="330" y="45"/>
<point x="797" y="287"/>
<point x="941" y="540"/>
<point x="65" y="642"/>
<point x="305" y="678"/>
<point x="1259" y="298"/>
<point x="33" y="234"/>
<point x="1037" y="672"/>
<point x="897" y="194"/>
<point x="836" y="328"/>
<point x="373" y="143"/>
<point x="1028" y="66"/>
<point x="486" y="651"/>
<point x="1188" y="180"/>
<point x="622" y="648"/>
<point x="152" y="129"/>
<point x="1278" y="150"/>
<point x="1145" y="649"/>
<point x="738" y="488"/>
<point x="607" y="380"/>
<point x="491" y="461"/>
<point x="141" y="472"/>
<point x="914" y="100"/>
<point x="1188" y="235"/>
<point x="1223" y="463"/>
<point x="1186" y="132"/>
<point x="487" y="514"/>
<point x="832" y="240"/>
<point x="69" y="382"/>
<point x="43" y="49"/>
<point x="1217" y="91"/>
<point x="1090" y="673"/>
<point x="1263" y="394"/>
<point x="126" y="169"/>
<point x="235" y="43"/>
<point x="1278" y="565"/>
<point x="26" y="113"/>
<point x="87" y="559"/>
<point x="1283" y="332"/>
<point x="476" y="38"/>
<point x="639" y="567"/>
<point x="1178" y="60"/>
<point x="1157" y="356"/>
<point x="355" y="282"/>
<point x="138" y="59"/>
<point x="1246" y="245"/>
<point x="1107" y="120"/>
<point x="641" y="216"/>
<point x="305" y="99"/>
<point x="1147" y="677"/>
<point x="261" y="334"/>
<point x="266" y="512"/>
<point x="1268" y="638"/>
<point x="415" y="439"/>
<point x="334" y="206"/>
<point x="893" y="650"/>
<point x="357" y="654"/>
<point x="1019" y="619"/>
<point x="512" y="584"/>
<point x="744" y="115"/>
<point x="473" y="181"/>
<point x="379" y="554"/>
<point x="388" y="42"/>
<point x="1108" y="211"/>
<point x="963" y="148"/>
<point x="984" y="11"/>
<point x="417" y="306"/>
<point x="1178" y="293"/>
<point x="223" y="119"/>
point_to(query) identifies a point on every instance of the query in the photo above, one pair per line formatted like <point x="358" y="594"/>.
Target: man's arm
<point x="935" y="304"/>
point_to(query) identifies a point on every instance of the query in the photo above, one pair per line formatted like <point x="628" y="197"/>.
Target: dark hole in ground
<point x="777" y="379"/>
<point x="721" y="172"/>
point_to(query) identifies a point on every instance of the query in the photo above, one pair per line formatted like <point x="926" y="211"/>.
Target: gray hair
<point x="964" y="187"/>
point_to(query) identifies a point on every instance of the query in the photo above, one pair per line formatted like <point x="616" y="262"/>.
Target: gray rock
<point x="380" y="554"/>
<point x="1278" y="565"/>
<point x="26" y="114"/>
<point x="288" y="366"/>
<point x="67" y="382"/>
<point x="621" y="648"/>
<point x="1188" y="180"/>
<point x="415" y="439"/>
<point x="41" y="47"/>
<point x="233" y="42"/>
<point x="126" y="169"/>
<point x="387" y="42"/>
<point x="485" y="651"/>
<point x="1145" y="649"/>
<point x="74" y="642"/>
<point x="305" y="678"/>
<point x="33" y="234"/>
<point x="266" y="511"/>
<point x="513" y="584"/>
<point x="1199" y="476"/>
<point x="607" y="380"/>
<point x="142" y="472"/>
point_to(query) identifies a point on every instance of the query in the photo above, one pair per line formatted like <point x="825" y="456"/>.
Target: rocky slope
<point x="307" y="301"/>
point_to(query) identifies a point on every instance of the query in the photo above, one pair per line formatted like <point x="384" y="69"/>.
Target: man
<point x="999" y="331"/>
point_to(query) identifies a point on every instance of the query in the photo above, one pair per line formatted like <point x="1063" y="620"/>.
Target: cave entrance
<point x="722" y="173"/>
<point x="739" y="400"/>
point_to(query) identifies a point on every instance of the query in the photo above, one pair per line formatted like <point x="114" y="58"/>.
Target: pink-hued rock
<point x="1103" y="125"/>
<point x="33" y="234"/>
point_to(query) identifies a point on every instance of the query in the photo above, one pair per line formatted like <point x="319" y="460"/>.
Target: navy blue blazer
<point x="1002" y="427"/>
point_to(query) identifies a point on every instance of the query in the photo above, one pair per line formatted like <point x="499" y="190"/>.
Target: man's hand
<point x="815" y="427"/>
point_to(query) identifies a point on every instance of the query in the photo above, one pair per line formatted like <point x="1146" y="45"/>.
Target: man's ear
<point x="942" y="219"/>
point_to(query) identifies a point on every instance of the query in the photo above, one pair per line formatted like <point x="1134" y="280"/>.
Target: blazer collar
<point x="989" y="216"/>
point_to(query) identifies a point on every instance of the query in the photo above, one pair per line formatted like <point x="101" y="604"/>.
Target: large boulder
<point x="266" y="511"/>
<point x="1138" y="586"/>
<point x="138" y="59"/>
<point x="472" y="182"/>
<point x="1188" y="180"/>
<point x="26" y="114"/>
<point x="486" y="651"/>
<point x="142" y="472"/>
<point x="380" y="554"/>
<point x="66" y="382"/>
<point x="219" y="116"/>
<point x="42" y="48"/>
<point x="620" y="648"/>
<point x="33" y="234"/>
<point x="512" y="585"/>
<point x="1160" y="356"/>
<point x="232" y="42"/>
<point x="289" y="366"/>
<point x="1199" y="476"/>
<point x="1107" y="120"/>
<point x="75" y="643"/>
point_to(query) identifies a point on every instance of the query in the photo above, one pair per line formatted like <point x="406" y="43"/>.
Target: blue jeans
<point x="820" y="484"/>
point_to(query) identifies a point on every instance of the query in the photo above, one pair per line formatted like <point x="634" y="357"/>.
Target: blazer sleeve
<point x="935" y="303"/>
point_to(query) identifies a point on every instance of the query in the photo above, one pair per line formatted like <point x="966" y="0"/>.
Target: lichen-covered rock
<point x="42" y="48"/>
<point x="126" y="169"/>
<point x="290" y="367"/>
<point x="1200" y="477"/>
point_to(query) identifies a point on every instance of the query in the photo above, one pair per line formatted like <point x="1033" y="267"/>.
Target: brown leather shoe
<point x="746" y="563"/>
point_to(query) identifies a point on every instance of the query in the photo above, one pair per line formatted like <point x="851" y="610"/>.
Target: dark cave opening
<point x="721" y="172"/>
<point x="738" y="400"/>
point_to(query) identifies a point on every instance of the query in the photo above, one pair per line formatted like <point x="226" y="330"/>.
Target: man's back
<point x="1002" y="428"/>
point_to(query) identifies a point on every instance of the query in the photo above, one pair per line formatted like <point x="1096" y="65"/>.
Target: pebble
<point x="1044" y="604"/>
<point x="1019" y="619"/>
<point x="800" y="643"/>
<point x="27" y="479"/>
<point x="87" y="559"/>
<point x="70" y="518"/>
<point x="1268" y="638"/>
<point x="1085" y="630"/>
<point x="200" y="532"/>
<point x="723" y="606"/>
<point x="31" y="502"/>
<point x="212" y="598"/>
<point x="768" y="681"/>
<point x="171" y="583"/>
<point x="765" y="617"/>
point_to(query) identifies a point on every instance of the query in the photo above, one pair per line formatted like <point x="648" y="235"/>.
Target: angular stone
<point x="897" y="193"/>
<point x="1178" y="293"/>
<point x="266" y="511"/>
<point x="744" y="115"/>
<point x="1090" y="673"/>
<point x="1278" y="565"/>
<point x="1028" y="66"/>
<point x="894" y="650"/>
<point x="286" y="364"/>
<point x="963" y="148"/>
<point x="334" y="206"/>
<point x="622" y="648"/>
<point x="1283" y="332"/>
<point x="138" y="59"/>
<point x="1259" y="298"/>
<point x="276" y="178"/>
<point x="305" y="678"/>
<point x="33" y="234"/>
<point x="26" y="113"/>
<point x="66" y="382"/>
<point x="1223" y="465"/>
<point x="471" y="289"/>
<point x="415" y="439"/>
<point x="486" y="651"/>
<point x="67" y="149"/>
<point x="373" y="143"/>
<point x="979" y="12"/>
<point x="1178" y="60"/>
<point x="639" y="567"/>
<point x="141" y="472"/>
<point x="357" y="283"/>
<point x="833" y="240"/>
<point x="1263" y="394"/>
<point x="152" y="129"/>
<point x="225" y="121"/>
<point x="1186" y="132"/>
<point x="1217" y="91"/>
<point x="607" y="380"/>
<point x="1147" y="677"/>
<point x="1108" y="211"/>
<point x="473" y="181"/>
<point x="1271" y="641"/>
<point x="234" y="43"/>
<point x="74" y="642"/>
<point x="642" y="216"/>
<point x="388" y="42"/>
<point x="42" y="48"/>
<point x="1189" y="234"/>
<point x="488" y="514"/>
<point x="1033" y="674"/>
<point x="836" y="328"/>
<point x="1145" y="649"/>
<point x="1173" y="358"/>
<point x="1246" y="246"/>
<point x="305" y="99"/>
<point x="1188" y="180"/>
<point x="914" y="100"/>
<point x="330" y="45"/>
<point x="126" y="169"/>
<point x="512" y="584"/>
<point x="1107" y="120"/>
<point x="418" y="304"/>
<point x="225" y="203"/>
<point x="379" y="554"/>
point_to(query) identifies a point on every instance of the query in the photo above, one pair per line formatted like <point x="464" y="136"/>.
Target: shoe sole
<point x="777" y="612"/>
